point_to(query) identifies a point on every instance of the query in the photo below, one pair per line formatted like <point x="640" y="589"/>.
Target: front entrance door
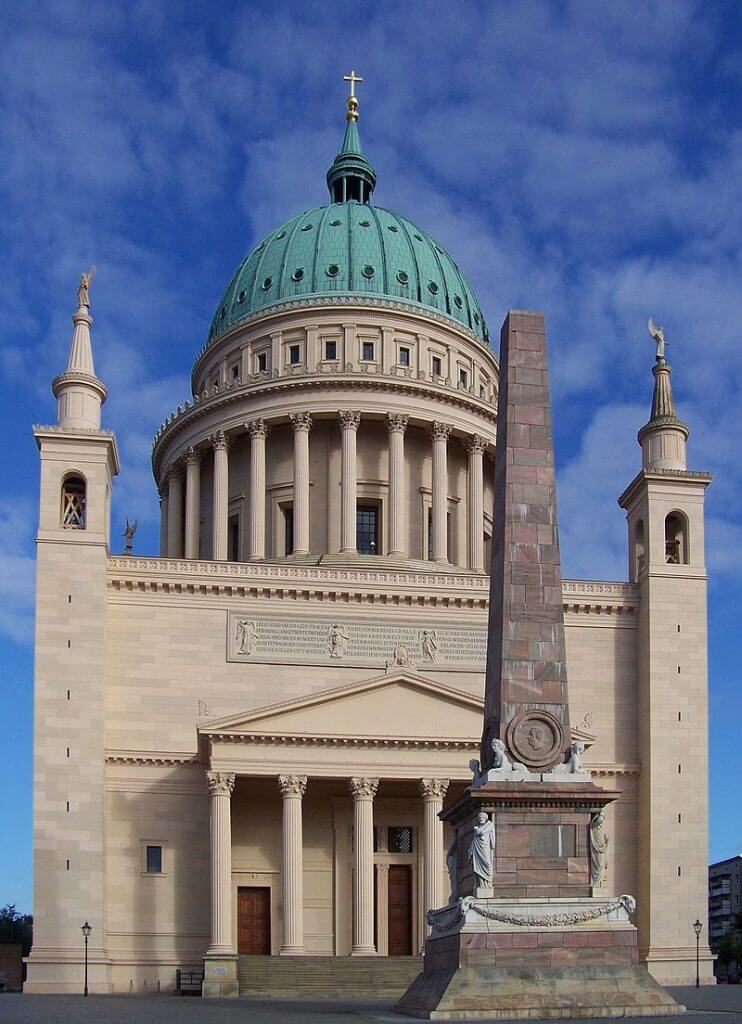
<point x="254" y="920"/>
<point x="400" y="910"/>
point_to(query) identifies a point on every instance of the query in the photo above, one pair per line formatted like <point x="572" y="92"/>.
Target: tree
<point x="15" y="927"/>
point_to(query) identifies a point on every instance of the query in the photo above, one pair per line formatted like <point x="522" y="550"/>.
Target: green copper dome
<point x="350" y="248"/>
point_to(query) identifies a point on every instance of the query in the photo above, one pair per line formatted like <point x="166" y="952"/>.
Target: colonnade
<point x="180" y="533"/>
<point x="292" y="789"/>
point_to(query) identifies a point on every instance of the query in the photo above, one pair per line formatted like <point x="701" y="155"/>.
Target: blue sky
<point x="583" y="158"/>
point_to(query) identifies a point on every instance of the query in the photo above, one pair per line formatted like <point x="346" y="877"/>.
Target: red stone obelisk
<point x="529" y="931"/>
<point x="526" y="703"/>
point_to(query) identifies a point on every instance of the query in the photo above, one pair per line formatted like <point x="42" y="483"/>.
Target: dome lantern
<point x="351" y="178"/>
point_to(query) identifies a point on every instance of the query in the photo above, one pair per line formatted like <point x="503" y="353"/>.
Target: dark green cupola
<point x="351" y="178"/>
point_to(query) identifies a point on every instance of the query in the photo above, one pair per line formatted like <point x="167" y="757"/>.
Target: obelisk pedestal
<point x="527" y="933"/>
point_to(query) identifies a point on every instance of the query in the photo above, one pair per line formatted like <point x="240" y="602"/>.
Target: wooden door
<point x="254" y="920"/>
<point x="400" y="910"/>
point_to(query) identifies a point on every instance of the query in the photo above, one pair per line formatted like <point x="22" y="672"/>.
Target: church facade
<point x="243" y="743"/>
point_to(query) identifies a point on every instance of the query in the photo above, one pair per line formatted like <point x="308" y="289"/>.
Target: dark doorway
<point x="400" y="910"/>
<point x="367" y="529"/>
<point x="254" y="921"/>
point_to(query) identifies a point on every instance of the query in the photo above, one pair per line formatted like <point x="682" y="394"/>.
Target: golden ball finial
<point x="352" y="114"/>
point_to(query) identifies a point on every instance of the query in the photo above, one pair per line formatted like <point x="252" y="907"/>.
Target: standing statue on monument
<point x="482" y="850"/>
<point x="599" y="843"/>
<point x="452" y="864"/>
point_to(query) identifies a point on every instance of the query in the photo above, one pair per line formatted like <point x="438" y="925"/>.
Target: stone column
<point x="475" y="445"/>
<point x="302" y="423"/>
<point x="175" y="513"/>
<point x="258" y="431"/>
<point x="364" y="791"/>
<point x="433" y="791"/>
<point x="292" y="789"/>
<point x="163" y="520"/>
<point x="221" y="785"/>
<point x="439" y="434"/>
<point x="193" y="502"/>
<point x="396" y="425"/>
<point x="220" y="506"/>
<point x="349" y="423"/>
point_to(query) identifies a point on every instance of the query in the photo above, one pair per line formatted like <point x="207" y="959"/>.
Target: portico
<point x="361" y="844"/>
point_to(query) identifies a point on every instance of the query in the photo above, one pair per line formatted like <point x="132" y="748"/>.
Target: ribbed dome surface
<point x="349" y="249"/>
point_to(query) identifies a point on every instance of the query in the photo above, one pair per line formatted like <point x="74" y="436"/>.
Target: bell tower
<point x="665" y="514"/>
<point x="78" y="463"/>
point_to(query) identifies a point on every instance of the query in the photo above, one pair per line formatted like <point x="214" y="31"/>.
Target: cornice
<point x="350" y="742"/>
<point x="223" y="397"/>
<point x="689" y="475"/>
<point x="383" y="586"/>
<point x="149" y="759"/>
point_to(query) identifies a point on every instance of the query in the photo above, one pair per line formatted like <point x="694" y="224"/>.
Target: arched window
<point x="676" y="539"/>
<point x="639" y="550"/>
<point x="73" y="503"/>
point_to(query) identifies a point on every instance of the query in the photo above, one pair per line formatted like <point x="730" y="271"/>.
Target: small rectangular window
<point x="404" y="356"/>
<point x="367" y="351"/>
<point x="235" y="371"/>
<point x="437" y="366"/>
<point x="233" y="539"/>
<point x="331" y="350"/>
<point x="262" y="362"/>
<point x="154" y="860"/>
<point x="400" y="839"/>
<point x="463" y="376"/>
<point x="294" y="354"/>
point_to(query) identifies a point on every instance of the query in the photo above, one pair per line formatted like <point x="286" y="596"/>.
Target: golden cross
<point x="352" y="78"/>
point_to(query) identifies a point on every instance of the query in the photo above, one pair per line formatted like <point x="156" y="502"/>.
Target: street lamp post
<point x="86" y="929"/>
<point x="697" y="926"/>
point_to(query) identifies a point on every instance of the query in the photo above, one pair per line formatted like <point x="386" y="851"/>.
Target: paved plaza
<point x="712" y="1004"/>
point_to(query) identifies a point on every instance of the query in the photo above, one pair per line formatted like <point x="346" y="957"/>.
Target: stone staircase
<point x="327" y="977"/>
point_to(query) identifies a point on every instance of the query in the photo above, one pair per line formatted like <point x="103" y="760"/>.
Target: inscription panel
<point x="403" y="644"/>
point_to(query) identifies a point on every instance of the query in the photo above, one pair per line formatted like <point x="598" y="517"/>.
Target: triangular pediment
<point x="397" y="705"/>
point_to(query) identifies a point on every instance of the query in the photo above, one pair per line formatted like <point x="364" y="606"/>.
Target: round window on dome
<point x="241" y="296"/>
<point x="457" y="301"/>
<point x="281" y="234"/>
<point x="433" y="288"/>
<point x="267" y="282"/>
<point x="365" y="223"/>
<point x="298" y="274"/>
<point x="368" y="271"/>
<point x="419" y="238"/>
<point x="403" y="277"/>
<point x="307" y="227"/>
<point x="393" y="227"/>
<point x="335" y="223"/>
<point x="259" y="247"/>
<point x="333" y="270"/>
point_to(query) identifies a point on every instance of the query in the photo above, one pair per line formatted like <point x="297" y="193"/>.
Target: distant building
<point x="725" y="890"/>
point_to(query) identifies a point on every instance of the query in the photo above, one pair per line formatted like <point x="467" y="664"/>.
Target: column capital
<point x="219" y="441"/>
<point x="174" y="472"/>
<point x="395" y="421"/>
<point x="433" y="789"/>
<point x="192" y="456"/>
<point x="220" y="783"/>
<point x="258" y="428"/>
<point x="440" y="431"/>
<point x="292" y="785"/>
<point x="349" y="419"/>
<point x="475" y="443"/>
<point x="301" y="421"/>
<point x="363" y="788"/>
